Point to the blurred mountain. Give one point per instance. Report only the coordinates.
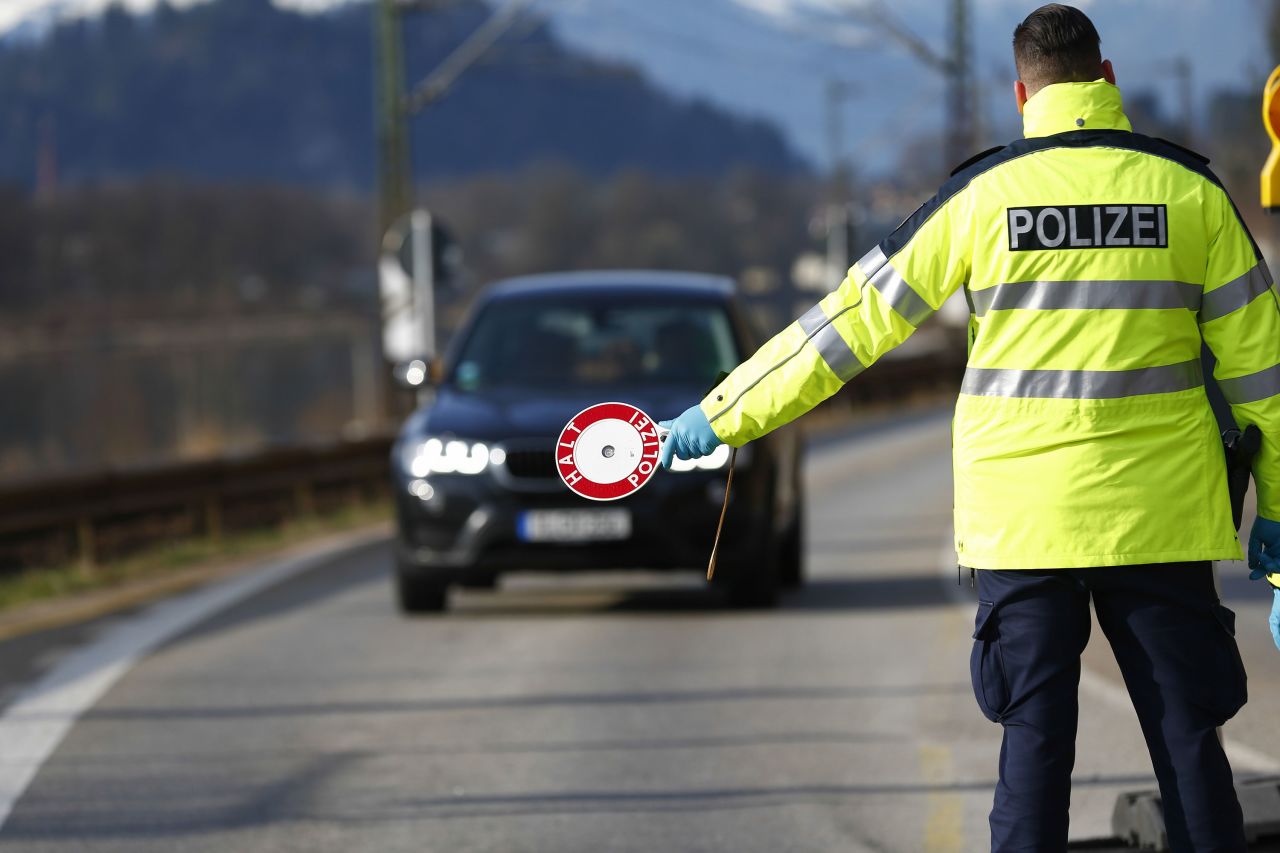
(243, 90)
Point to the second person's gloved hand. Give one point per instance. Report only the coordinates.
(1264, 547)
(1274, 620)
(691, 437)
(1264, 559)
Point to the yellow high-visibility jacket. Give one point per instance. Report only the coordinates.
(1095, 261)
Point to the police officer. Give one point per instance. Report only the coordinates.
(1088, 464)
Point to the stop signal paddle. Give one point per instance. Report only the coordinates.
(610, 451)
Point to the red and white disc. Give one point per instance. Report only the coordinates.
(608, 451)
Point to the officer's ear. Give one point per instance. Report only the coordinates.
(1108, 72)
(1020, 94)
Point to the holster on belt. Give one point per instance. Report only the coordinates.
(1240, 448)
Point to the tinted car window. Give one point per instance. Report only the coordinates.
(563, 344)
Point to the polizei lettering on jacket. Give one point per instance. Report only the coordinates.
(1088, 226)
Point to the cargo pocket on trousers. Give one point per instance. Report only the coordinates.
(1225, 677)
(986, 664)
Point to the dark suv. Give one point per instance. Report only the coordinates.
(477, 493)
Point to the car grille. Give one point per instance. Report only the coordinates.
(529, 463)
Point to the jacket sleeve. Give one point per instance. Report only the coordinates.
(1240, 321)
(884, 298)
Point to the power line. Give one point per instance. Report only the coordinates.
(955, 65)
(475, 46)
(692, 45)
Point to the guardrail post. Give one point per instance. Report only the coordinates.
(304, 500)
(213, 519)
(86, 542)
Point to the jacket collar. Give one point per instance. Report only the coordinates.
(1064, 107)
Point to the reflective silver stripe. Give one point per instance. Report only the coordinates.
(1235, 294)
(1078, 295)
(833, 349)
(1082, 384)
(894, 288)
(1252, 388)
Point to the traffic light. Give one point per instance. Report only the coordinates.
(419, 256)
(446, 256)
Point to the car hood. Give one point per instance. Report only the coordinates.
(497, 416)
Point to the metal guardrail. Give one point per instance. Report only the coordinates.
(97, 518)
(891, 380)
(101, 517)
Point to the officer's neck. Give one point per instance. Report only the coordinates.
(1064, 107)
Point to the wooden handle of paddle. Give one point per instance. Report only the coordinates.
(715, 547)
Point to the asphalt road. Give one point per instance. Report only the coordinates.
(588, 713)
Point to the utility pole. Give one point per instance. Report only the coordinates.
(840, 182)
(47, 159)
(838, 92)
(955, 65)
(960, 101)
(395, 172)
(1182, 71)
(424, 278)
(395, 106)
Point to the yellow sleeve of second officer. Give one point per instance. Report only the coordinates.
(885, 297)
(1240, 320)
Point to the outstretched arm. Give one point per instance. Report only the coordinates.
(885, 297)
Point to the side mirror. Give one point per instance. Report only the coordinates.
(415, 374)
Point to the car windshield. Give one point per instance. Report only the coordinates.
(601, 341)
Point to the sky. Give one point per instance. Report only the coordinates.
(15, 12)
(782, 52)
(773, 58)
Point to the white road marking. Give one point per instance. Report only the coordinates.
(1242, 757)
(40, 717)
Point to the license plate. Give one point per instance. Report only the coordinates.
(574, 525)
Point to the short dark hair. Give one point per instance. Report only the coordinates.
(1057, 44)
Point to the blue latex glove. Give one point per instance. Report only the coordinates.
(1264, 547)
(1264, 559)
(691, 437)
(1274, 619)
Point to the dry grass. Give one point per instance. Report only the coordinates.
(34, 585)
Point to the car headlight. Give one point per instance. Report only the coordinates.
(713, 461)
(448, 456)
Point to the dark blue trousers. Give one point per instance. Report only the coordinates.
(1176, 647)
